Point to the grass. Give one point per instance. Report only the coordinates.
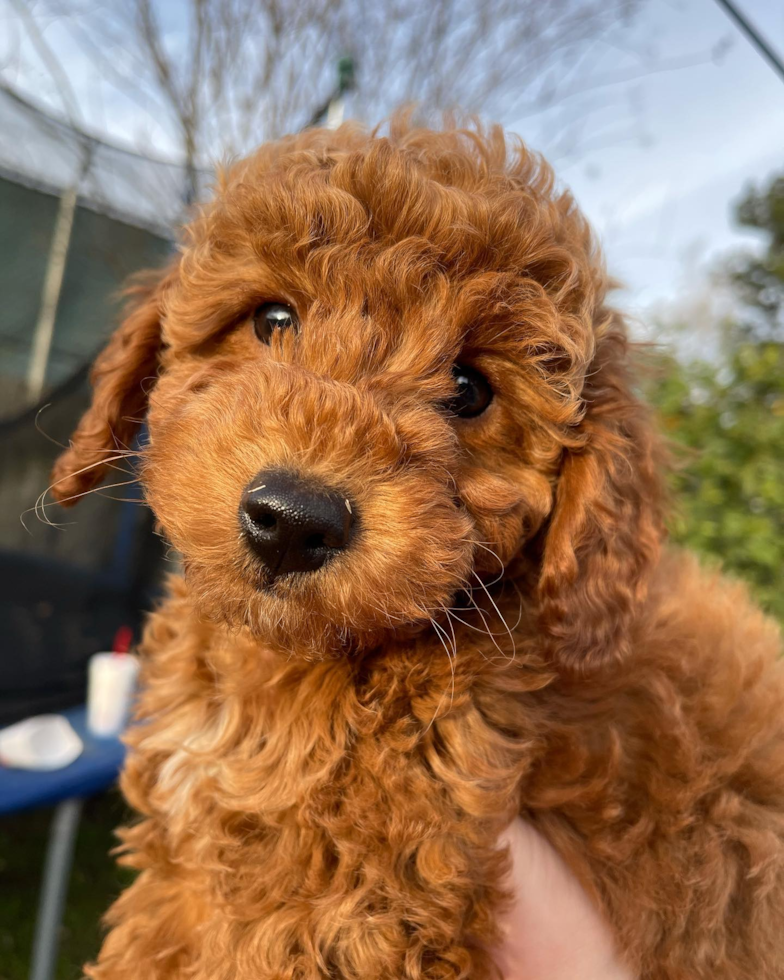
(95, 882)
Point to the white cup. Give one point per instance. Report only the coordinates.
(111, 684)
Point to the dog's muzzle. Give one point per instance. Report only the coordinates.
(293, 525)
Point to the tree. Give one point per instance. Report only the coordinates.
(220, 76)
(727, 417)
(759, 279)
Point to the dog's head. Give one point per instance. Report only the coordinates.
(380, 366)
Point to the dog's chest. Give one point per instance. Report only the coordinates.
(326, 818)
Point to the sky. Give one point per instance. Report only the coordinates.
(662, 203)
(662, 153)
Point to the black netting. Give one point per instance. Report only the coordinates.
(64, 591)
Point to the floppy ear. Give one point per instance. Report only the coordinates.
(121, 377)
(605, 531)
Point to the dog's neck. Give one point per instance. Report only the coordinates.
(215, 694)
(422, 676)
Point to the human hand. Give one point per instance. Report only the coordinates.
(552, 931)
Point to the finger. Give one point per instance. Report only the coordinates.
(552, 931)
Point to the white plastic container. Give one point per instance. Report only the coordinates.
(44, 742)
(111, 685)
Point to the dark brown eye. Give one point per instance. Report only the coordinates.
(271, 317)
(473, 392)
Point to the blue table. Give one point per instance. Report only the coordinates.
(95, 769)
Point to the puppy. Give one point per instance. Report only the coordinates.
(394, 436)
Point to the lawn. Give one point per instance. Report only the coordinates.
(95, 881)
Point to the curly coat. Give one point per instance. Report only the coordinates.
(326, 762)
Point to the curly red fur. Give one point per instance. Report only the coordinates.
(327, 760)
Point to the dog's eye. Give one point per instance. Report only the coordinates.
(271, 317)
(473, 394)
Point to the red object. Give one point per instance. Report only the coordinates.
(122, 640)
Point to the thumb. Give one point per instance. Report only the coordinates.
(551, 931)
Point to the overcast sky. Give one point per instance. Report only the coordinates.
(660, 156)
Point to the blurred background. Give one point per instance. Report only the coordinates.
(665, 117)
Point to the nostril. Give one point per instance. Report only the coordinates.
(260, 513)
(324, 539)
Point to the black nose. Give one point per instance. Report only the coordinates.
(294, 526)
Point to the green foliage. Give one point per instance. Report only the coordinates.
(727, 416)
(759, 279)
(729, 485)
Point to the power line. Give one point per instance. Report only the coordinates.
(754, 36)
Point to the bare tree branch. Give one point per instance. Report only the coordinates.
(226, 74)
(51, 61)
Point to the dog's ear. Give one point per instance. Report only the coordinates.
(605, 531)
(121, 377)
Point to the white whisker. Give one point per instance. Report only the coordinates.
(500, 615)
(501, 564)
(440, 632)
(39, 508)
